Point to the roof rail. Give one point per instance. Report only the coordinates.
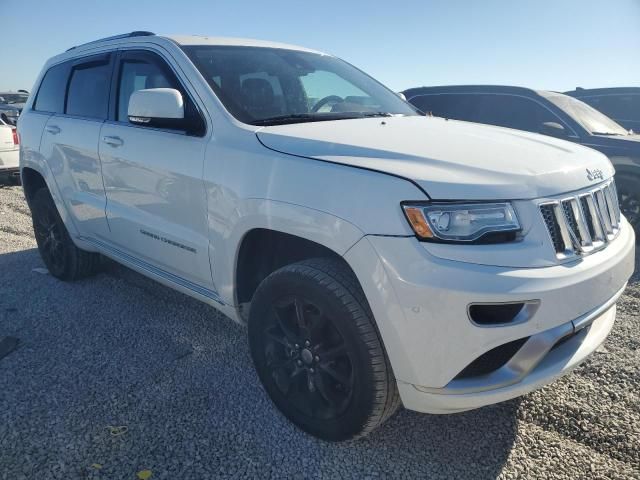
(137, 33)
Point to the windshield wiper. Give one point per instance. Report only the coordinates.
(307, 117)
(377, 114)
(610, 134)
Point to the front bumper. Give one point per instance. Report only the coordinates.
(536, 364)
(420, 304)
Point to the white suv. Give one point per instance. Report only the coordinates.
(378, 256)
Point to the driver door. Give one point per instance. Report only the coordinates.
(156, 202)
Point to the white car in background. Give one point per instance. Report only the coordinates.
(378, 256)
(9, 152)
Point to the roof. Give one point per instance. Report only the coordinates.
(196, 40)
(467, 88)
(585, 92)
(232, 41)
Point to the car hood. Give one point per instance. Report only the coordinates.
(448, 159)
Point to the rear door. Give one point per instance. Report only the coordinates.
(70, 142)
(156, 201)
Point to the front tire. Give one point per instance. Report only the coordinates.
(62, 257)
(628, 187)
(318, 353)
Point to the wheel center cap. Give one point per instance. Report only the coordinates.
(307, 356)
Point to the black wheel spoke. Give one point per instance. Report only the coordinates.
(281, 364)
(337, 376)
(279, 339)
(302, 322)
(324, 392)
(311, 385)
(282, 324)
(333, 353)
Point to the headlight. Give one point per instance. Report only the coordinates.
(456, 222)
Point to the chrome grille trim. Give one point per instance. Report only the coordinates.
(584, 223)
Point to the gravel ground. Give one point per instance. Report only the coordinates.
(176, 379)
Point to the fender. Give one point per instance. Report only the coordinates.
(330, 231)
(34, 161)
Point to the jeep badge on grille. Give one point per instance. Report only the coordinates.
(595, 174)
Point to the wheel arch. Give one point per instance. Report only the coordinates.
(262, 251)
(32, 181)
(34, 176)
(279, 235)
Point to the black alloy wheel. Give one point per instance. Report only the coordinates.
(61, 256)
(308, 358)
(317, 350)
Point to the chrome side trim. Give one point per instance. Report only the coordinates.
(527, 358)
(136, 263)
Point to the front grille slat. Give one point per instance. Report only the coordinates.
(584, 223)
(603, 212)
(581, 223)
(613, 217)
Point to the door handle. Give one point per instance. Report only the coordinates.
(113, 141)
(53, 129)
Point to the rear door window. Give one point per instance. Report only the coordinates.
(513, 111)
(50, 96)
(88, 94)
(622, 107)
(448, 105)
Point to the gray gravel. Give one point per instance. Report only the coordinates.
(120, 350)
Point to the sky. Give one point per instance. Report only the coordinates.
(545, 44)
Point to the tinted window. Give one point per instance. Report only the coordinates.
(622, 107)
(514, 112)
(138, 75)
(50, 97)
(457, 107)
(268, 86)
(89, 91)
(502, 110)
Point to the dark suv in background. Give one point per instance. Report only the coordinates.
(548, 113)
(620, 104)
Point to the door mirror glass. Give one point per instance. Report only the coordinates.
(553, 129)
(157, 107)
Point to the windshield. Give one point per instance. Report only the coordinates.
(13, 98)
(590, 118)
(272, 86)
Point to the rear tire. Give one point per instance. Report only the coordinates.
(62, 257)
(628, 186)
(318, 353)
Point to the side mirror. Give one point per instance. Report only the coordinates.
(553, 129)
(402, 96)
(157, 107)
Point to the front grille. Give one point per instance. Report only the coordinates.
(583, 223)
